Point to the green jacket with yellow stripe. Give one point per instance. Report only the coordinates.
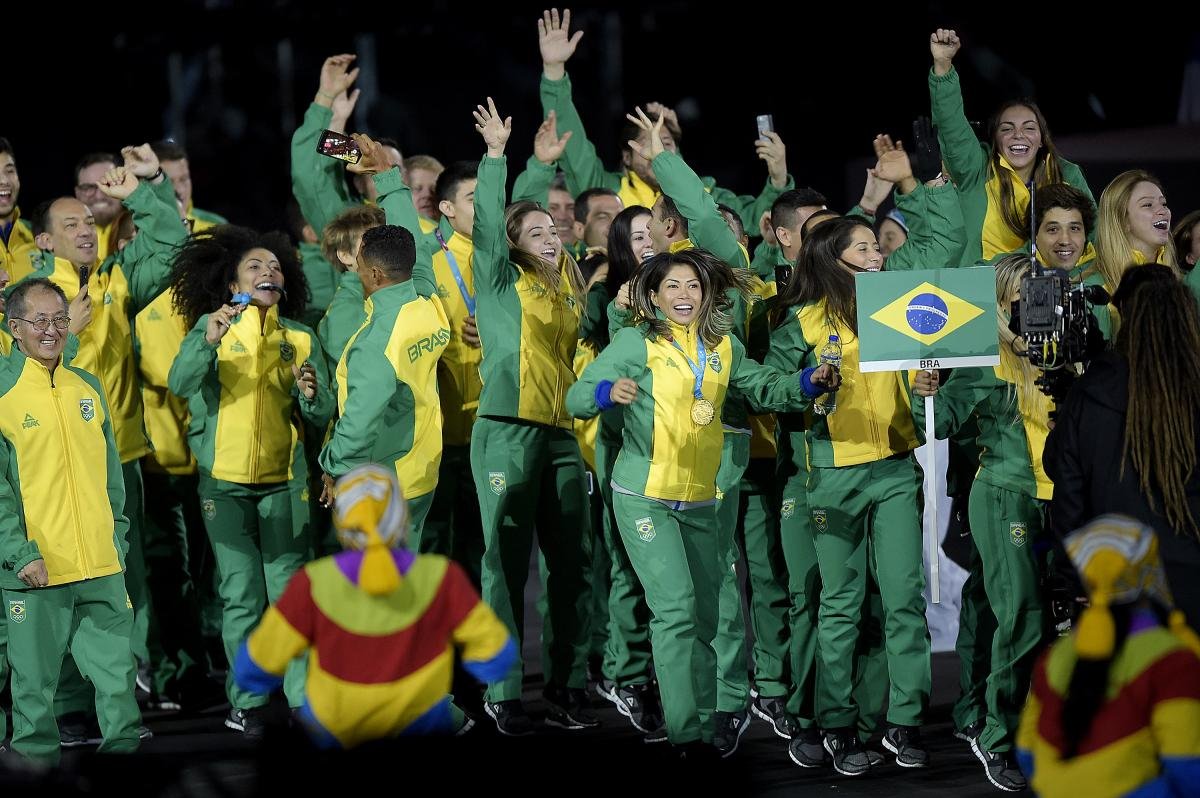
(528, 334)
(343, 317)
(664, 454)
(969, 162)
(1012, 423)
(119, 287)
(873, 419)
(242, 395)
(62, 493)
(584, 170)
(387, 394)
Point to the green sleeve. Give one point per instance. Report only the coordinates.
(492, 272)
(594, 325)
(625, 356)
(961, 151)
(534, 183)
(317, 180)
(196, 358)
(790, 350)
(617, 319)
(116, 482)
(146, 260)
(370, 385)
(396, 200)
(1073, 175)
(319, 409)
(954, 403)
(766, 389)
(765, 258)
(164, 191)
(749, 209)
(580, 162)
(16, 549)
(937, 234)
(859, 212)
(345, 315)
(707, 228)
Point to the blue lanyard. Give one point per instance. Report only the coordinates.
(458, 278)
(697, 369)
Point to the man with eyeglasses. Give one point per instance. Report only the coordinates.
(62, 531)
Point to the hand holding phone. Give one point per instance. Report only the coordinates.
(766, 124)
(85, 273)
(339, 145)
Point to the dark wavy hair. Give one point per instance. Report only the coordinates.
(207, 263)
(819, 274)
(622, 263)
(713, 321)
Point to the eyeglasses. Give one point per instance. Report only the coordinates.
(43, 324)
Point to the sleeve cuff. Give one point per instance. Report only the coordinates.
(604, 395)
(389, 181)
(810, 388)
(949, 77)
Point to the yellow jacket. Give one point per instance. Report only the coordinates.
(458, 370)
(62, 494)
(158, 332)
(17, 257)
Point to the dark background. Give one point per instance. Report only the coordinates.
(232, 80)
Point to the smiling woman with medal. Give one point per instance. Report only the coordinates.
(246, 369)
(672, 371)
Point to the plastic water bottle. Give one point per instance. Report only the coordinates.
(831, 353)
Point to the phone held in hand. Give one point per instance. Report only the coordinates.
(340, 146)
(85, 272)
(765, 125)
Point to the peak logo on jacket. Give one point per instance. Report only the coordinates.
(428, 345)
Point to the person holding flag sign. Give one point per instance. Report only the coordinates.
(1006, 508)
(673, 371)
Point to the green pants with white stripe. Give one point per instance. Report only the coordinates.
(848, 507)
(677, 554)
(733, 675)
(1005, 525)
(531, 476)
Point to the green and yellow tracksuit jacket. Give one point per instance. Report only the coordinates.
(873, 419)
(458, 370)
(969, 162)
(242, 395)
(1012, 426)
(529, 335)
(343, 317)
(119, 287)
(18, 250)
(387, 396)
(62, 495)
(203, 220)
(159, 331)
(664, 454)
(584, 170)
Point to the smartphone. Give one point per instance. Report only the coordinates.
(340, 146)
(85, 272)
(765, 125)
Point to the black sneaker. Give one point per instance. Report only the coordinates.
(247, 721)
(1000, 770)
(849, 758)
(511, 719)
(905, 743)
(639, 703)
(77, 729)
(969, 733)
(144, 733)
(569, 708)
(730, 726)
(806, 749)
(607, 689)
(774, 712)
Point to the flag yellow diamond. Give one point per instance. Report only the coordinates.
(926, 313)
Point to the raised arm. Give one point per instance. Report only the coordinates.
(491, 242)
(316, 179)
(146, 260)
(964, 156)
(534, 183)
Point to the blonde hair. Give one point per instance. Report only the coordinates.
(550, 276)
(348, 225)
(1114, 248)
(1009, 271)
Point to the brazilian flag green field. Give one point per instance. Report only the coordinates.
(941, 318)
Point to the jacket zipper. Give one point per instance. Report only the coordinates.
(258, 392)
(560, 312)
(85, 569)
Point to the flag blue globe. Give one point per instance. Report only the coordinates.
(927, 314)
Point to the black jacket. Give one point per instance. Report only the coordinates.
(1083, 457)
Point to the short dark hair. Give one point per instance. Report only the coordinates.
(15, 305)
(388, 141)
(1183, 238)
(671, 211)
(169, 150)
(6, 147)
(783, 210)
(449, 180)
(93, 158)
(1062, 195)
(559, 183)
(40, 218)
(584, 199)
(295, 217)
(731, 215)
(391, 248)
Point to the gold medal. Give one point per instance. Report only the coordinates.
(703, 412)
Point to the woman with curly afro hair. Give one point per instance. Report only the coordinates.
(245, 369)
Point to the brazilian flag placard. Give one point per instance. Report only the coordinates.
(940, 318)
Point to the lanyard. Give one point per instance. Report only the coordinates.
(697, 369)
(458, 278)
